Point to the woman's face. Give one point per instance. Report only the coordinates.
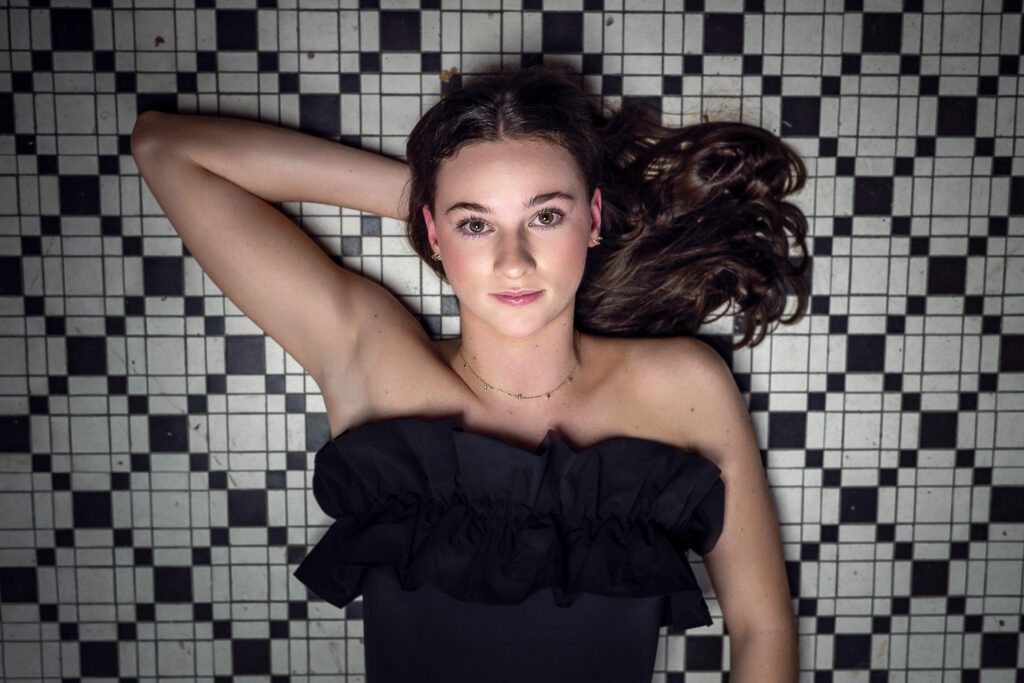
(496, 231)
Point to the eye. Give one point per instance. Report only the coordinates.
(471, 232)
(554, 213)
(556, 216)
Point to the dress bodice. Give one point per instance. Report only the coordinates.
(447, 531)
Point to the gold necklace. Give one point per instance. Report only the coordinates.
(547, 394)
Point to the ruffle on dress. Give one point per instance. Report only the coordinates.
(487, 522)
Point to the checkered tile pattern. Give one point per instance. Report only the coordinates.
(155, 446)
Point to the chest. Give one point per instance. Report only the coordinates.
(610, 399)
(608, 403)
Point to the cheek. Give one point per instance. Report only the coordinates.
(462, 265)
(573, 252)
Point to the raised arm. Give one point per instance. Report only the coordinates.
(278, 164)
(213, 178)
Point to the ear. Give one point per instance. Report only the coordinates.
(431, 229)
(595, 214)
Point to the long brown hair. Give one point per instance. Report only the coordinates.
(692, 217)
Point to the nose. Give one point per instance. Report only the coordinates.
(514, 258)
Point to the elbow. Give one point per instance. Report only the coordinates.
(142, 133)
(765, 655)
(779, 631)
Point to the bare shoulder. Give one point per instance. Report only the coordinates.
(688, 390)
(674, 354)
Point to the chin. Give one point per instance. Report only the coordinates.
(519, 331)
(522, 326)
(515, 321)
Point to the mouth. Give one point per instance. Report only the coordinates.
(518, 297)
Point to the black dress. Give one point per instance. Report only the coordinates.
(478, 560)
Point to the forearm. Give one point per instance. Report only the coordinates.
(764, 657)
(279, 164)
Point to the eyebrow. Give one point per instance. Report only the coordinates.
(539, 199)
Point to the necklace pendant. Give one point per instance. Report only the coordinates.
(519, 395)
(465, 365)
(486, 387)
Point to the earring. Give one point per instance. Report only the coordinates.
(597, 240)
(436, 256)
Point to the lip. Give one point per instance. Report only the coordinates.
(519, 299)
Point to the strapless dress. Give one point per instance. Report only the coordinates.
(479, 560)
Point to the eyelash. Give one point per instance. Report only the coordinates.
(472, 219)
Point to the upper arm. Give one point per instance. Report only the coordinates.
(262, 261)
(746, 565)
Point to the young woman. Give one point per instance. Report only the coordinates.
(517, 504)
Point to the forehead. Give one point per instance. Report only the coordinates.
(505, 164)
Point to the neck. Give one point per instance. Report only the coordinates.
(530, 365)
